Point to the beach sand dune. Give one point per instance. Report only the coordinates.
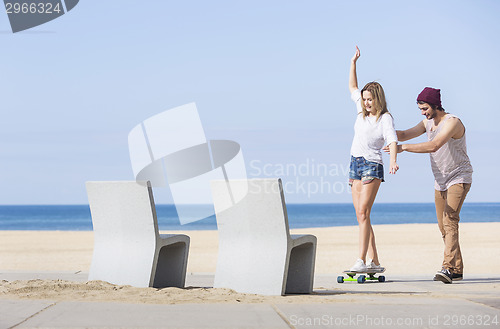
(99, 291)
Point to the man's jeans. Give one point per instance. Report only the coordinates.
(448, 206)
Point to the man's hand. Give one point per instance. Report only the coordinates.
(399, 148)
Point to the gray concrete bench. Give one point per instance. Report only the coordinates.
(128, 249)
(257, 254)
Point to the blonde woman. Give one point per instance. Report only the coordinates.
(374, 127)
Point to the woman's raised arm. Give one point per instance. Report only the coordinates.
(353, 78)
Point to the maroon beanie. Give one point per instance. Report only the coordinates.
(431, 96)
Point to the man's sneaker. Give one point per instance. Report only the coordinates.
(436, 276)
(444, 276)
(457, 277)
(359, 266)
(370, 265)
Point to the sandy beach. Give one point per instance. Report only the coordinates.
(403, 249)
(409, 249)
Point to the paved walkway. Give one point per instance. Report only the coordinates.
(401, 302)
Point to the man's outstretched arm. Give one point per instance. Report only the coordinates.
(404, 135)
(450, 128)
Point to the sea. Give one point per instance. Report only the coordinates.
(78, 217)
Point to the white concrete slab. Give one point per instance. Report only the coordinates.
(13, 312)
(430, 304)
(117, 315)
(391, 312)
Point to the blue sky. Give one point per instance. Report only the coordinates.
(271, 75)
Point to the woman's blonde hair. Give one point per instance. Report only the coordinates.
(378, 97)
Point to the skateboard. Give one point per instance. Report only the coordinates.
(370, 275)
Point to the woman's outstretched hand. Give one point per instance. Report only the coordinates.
(356, 55)
(393, 168)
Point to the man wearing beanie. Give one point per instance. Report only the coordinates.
(452, 172)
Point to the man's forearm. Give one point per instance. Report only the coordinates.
(402, 135)
(427, 147)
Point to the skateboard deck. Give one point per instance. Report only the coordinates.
(370, 275)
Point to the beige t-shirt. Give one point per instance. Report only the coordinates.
(450, 164)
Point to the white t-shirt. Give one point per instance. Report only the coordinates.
(370, 134)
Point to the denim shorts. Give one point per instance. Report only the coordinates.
(365, 171)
